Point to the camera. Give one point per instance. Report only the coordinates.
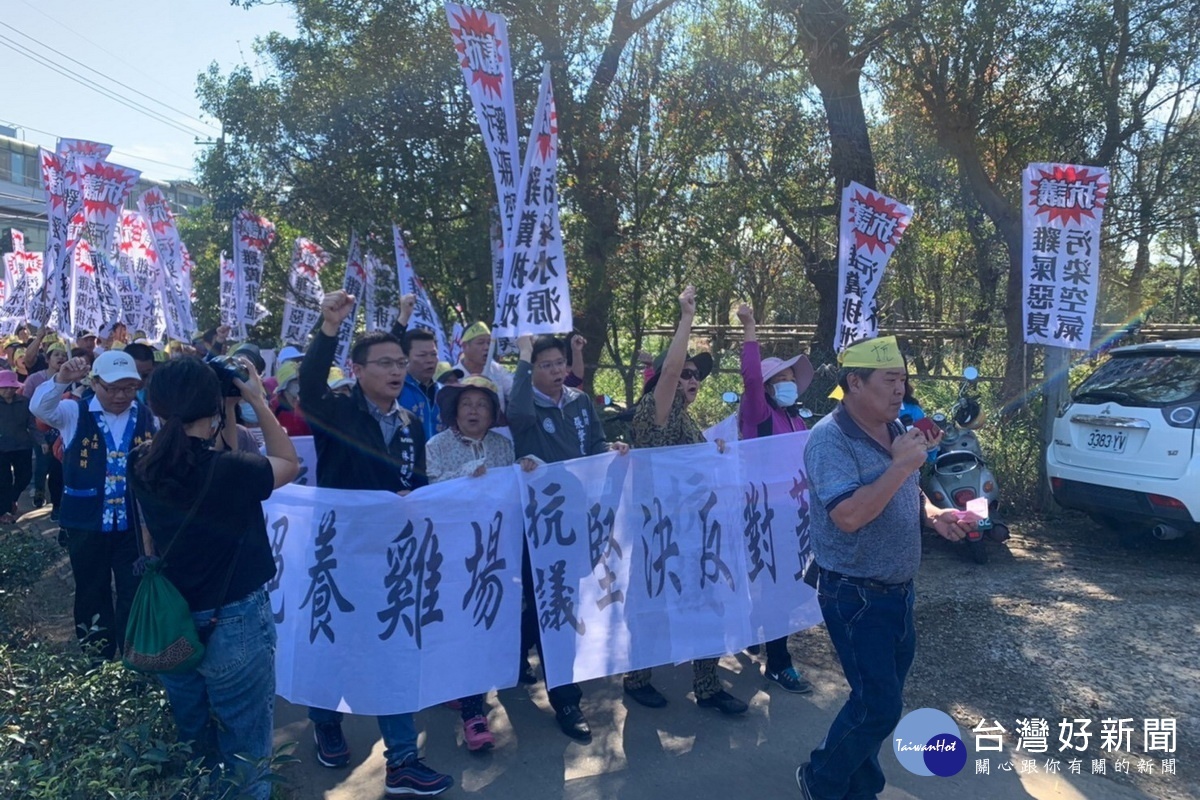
(228, 370)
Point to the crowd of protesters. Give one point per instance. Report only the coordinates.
(137, 446)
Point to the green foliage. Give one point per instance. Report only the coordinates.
(24, 557)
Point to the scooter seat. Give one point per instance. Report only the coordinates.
(955, 463)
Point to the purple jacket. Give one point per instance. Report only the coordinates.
(755, 408)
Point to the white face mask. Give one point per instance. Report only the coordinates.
(786, 394)
(249, 415)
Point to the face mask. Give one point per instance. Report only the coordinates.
(249, 415)
(786, 394)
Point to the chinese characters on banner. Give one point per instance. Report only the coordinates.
(424, 315)
(536, 298)
(383, 295)
(252, 236)
(86, 311)
(46, 304)
(407, 584)
(302, 309)
(1064, 206)
(481, 41)
(23, 281)
(139, 261)
(175, 299)
(228, 298)
(104, 188)
(71, 155)
(869, 228)
(641, 560)
(354, 283)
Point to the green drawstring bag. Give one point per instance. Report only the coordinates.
(161, 636)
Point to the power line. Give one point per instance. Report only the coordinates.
(116, 150)
(76, 77)
(60, 24)
(105, 76)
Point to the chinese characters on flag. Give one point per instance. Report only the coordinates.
(1063, 209)
(302, 309)
(252, 236)
(175, 300)
(870, 227)
(23, 280)
(424, 315)
(354, 284)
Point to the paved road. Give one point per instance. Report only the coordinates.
(638, 753)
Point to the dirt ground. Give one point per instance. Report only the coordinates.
(1061, 623)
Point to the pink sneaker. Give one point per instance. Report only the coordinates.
(477, 735)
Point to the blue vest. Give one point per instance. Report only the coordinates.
(85, 460)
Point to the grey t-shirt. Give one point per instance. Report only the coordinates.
(840, 457)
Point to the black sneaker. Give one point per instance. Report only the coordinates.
(791, 679)
(415, 778)
(647, 695)
(54, 514)
(573, 723)
(724, 702)
(332, 750)
(39, 499)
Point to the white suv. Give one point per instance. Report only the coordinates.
(1124, 449)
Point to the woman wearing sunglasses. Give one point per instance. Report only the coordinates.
(662, 419)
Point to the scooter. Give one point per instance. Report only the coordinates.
(959, 474)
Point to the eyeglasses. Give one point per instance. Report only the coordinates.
(118, 391)
(550, 365)
(389, 364)
(481, 405)
(688, 374)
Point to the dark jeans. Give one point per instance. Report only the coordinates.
(568, 694)
(54, 480)
(98, 560)
(41, 466)
(873, 634)
(16, 468)
(778, 657)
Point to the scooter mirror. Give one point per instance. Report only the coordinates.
(605, 400)
(805, 413)
(971, 374)
(730, 397)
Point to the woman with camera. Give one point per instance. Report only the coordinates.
(203, 510)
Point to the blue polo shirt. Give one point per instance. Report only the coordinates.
(841, 457)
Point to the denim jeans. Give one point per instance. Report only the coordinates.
(872, 631)
(230, 697)
(399, 732)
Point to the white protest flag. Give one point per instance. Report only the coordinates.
(1062, 214)
(252, 236)
(408, 584)
(302, 308)
(383, 294)
(71, 154)
(354, 283)
(481, 41)
(87, 313)
(138, 262)
(424, 315)
(45, 305)
(23, 277)
(228, 295)
(536, 296)
(455, 343)
(176, 302)
(105, 188)
(870, 227)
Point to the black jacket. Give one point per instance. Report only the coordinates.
(351, 453)
(17, 427)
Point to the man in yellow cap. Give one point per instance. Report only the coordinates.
(866, 515)
(476, 341)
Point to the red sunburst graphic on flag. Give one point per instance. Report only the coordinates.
(1067, 193)
(878, 222)
(471, 40)
(545, 138)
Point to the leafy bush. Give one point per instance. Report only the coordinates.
(24, 557)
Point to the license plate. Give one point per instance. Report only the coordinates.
(1102, 441)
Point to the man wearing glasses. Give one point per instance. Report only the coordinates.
(97, 511)
(366, 440)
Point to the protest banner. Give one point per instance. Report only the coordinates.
(227, 296)
(870, 227)
(252, 237)
(353, 283)
(383, 294)
(424, 315)
(175, 298)
(302, 307)
(1062, 212)
(536, 297)
(660, 556)
(46, 305)
(139, 260)
(23, 282)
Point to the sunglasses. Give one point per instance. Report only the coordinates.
(688, 374)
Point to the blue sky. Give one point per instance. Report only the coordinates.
(156, 49)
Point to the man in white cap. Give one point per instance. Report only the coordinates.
(97, 513)
(476, 342)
